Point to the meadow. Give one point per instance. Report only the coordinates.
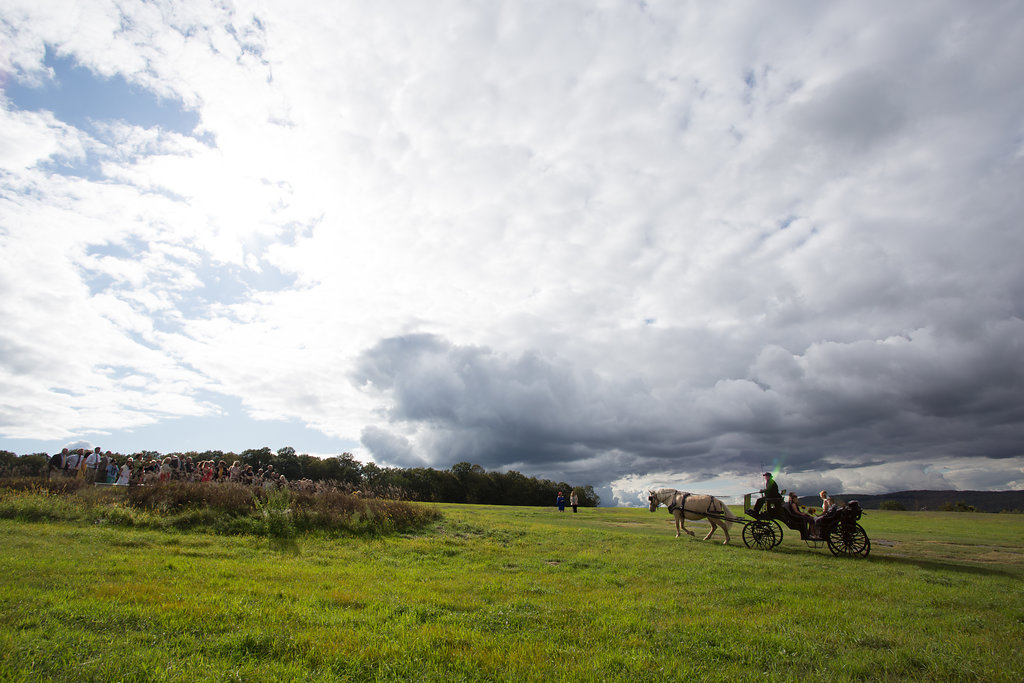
(491, 593)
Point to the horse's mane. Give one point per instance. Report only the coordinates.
(664, 491)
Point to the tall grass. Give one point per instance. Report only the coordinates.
(223, 508)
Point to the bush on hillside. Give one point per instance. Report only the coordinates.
(56, 484)
(223, 508)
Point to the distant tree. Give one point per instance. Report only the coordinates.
(511, 488)
(13, 465)
(587, 496)
(475, 485)
(373, 476)
(287, 463)
(259, 458)
(891, 505)
(958, 506)
(350, 470)
(209, 455)
(7, 461)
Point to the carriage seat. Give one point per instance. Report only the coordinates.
(763, 508)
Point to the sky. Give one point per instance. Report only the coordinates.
(619, 243)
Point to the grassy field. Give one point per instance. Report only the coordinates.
(514, 594)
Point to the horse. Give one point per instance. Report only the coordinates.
(684, 505)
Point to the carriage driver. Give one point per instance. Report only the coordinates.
(770, 491)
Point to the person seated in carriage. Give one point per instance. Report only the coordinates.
(829, 509)
(809, 522)
(769, 492)
(827, 504)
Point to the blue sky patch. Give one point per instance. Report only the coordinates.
(78, 96)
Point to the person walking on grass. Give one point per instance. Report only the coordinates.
(560, 502)
(574, 500)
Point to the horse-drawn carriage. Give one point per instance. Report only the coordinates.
(839, 528)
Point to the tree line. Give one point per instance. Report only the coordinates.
(464, 482)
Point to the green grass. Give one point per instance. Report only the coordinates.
(513, 594)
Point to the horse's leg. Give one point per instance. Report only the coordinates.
(725, 528)
(681, 523)
(714, 527)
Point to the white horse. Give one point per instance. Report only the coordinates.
(684, 505)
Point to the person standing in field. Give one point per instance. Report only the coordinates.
(102, 468)
(57, 463)
(560, 502)
(574, 500)
(112, 469)
(92, 465)
(71, 464)
(125, 475)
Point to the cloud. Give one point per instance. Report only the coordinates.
(629, 244)
(28, 138)
(836, 407)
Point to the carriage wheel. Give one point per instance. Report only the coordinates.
(778, 535)
(761, 535)
(849, 539)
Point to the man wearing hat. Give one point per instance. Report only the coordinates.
(770, 490)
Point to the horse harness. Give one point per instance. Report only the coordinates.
(682, 505)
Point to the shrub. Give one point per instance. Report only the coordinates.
(228, 498)
(56, 484)
(277, 514)
(222, 508)
(331, 509)
(891, 505)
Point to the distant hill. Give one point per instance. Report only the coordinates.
(982, 501)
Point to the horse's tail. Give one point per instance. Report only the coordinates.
(726, 513)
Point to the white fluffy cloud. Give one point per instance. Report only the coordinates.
(628, 243)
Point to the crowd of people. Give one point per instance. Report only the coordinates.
(97, 467)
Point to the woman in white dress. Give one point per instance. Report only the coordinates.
(126, 473)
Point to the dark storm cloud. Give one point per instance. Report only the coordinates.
(837, 406)
(500, 411)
